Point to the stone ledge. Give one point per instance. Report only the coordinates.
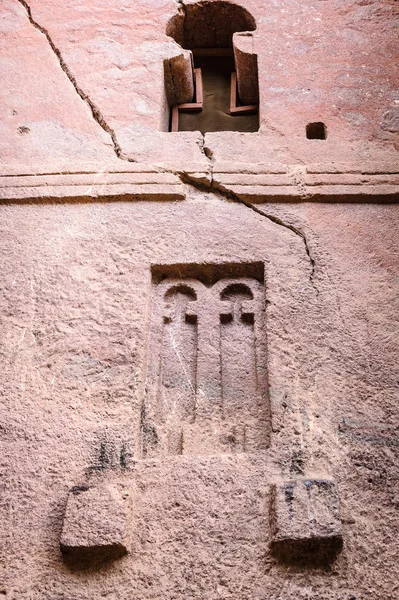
(309, 179)
(96, 524)
(297, 184)
(131, 182)
(88, 179)
(85, 185)
(305, 520)
(321, 193)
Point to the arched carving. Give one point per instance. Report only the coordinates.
(207, 389)
(209, 24)
(177, 299)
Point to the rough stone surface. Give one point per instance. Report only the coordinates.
(390, 120)
(112, 55)
(75, 316)
(96, 524)
(43, 118)
(305, 520)
(100, 205)
(246, 64)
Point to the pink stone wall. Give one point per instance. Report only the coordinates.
(330, 61)
(99, 206)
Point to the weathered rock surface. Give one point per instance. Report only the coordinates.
(343, 75)
(96, 524)
(100, 206)
(305, 521)
(75, 317)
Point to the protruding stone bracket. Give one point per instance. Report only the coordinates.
(305, 521)
(96, 524)
(234, 109)
(246, 63)
(179, 78)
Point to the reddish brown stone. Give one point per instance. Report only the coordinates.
(305, 521)
(101, 207)
(390, 120)
(96, 524)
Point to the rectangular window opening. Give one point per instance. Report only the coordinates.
(216, 113)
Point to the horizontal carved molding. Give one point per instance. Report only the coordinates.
(255, 183)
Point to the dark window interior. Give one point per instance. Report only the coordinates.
(215, 114)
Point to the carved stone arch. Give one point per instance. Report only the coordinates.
(170, 288)
(189, 286)
(177, 297)
(242, 285)
(236, 288)
(209, 24)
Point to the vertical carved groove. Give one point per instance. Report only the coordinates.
(239, 365)
(179, 357)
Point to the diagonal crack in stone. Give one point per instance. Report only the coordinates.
(219, 190)
(278, 221)
(95, 111)
(213, 187)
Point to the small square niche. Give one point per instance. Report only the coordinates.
(316, 131)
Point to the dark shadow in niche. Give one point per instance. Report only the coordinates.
(304, 556)
(208, 273)
(316, 131)
(93, 559)
(209, 24)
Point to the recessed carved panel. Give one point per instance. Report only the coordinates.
(206, 378)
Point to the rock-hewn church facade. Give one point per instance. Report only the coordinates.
(199, 299)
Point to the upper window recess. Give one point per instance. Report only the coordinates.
(213, 84)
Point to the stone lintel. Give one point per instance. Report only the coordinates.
(254, 184)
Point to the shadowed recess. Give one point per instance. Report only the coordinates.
(215, 114)
(209, 24)
(316, 131)
(208, 273)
